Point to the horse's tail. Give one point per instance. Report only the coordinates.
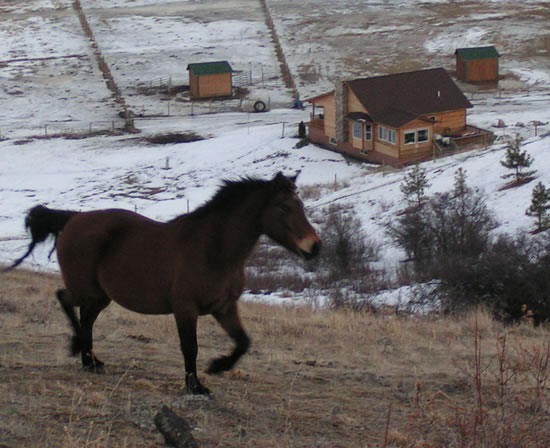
(43, 222)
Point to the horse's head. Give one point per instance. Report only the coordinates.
(285, 222)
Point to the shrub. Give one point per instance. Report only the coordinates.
(346, 250)
(512, 277)
(445, 229)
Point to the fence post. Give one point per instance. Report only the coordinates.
(46, 130)
(283, 134)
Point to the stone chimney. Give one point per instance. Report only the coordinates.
(340, 102)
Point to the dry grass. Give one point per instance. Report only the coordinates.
(312, 379)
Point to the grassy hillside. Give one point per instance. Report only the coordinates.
(312, 379)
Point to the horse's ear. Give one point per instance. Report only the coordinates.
(281, 177)
(281, 182)
(293, 178)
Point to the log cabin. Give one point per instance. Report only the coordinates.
(391, 119)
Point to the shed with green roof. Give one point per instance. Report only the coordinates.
(477, 64)
(210, 79)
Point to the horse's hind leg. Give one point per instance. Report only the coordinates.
(230, 322)
(62, 296)
(88, 315)
(82, 341)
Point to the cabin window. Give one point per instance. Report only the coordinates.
(410, 137)
(357, 129)
(385, 134)
(368, 132)
(422, 135)
(319, 111)
(418, 136)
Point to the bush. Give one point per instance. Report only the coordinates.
(512, 277)
(448, 228)
(448, 238)
(346, 250)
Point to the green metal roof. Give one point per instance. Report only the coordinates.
(210, 68)
(469, 54)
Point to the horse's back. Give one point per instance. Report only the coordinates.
(117, 253)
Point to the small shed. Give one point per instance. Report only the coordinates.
(210, 79)
(477, 64)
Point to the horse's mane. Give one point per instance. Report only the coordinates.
(229, 195)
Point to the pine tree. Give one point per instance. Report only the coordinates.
(540, 205)
(460, 187)
(517, 160)
(414, 186)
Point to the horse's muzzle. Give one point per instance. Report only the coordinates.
(312, 251)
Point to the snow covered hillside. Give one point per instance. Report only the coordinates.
(50, 79)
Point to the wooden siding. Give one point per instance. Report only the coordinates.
(484, 70)
(413, 151)
(329, 117)
(385, 148)
(353, 103)
(360, 144)
(447, 123)
(477, 70)
(208, 86)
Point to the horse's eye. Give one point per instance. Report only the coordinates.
(285, 208)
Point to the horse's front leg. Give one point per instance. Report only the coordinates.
(231, 323)
(187, 330)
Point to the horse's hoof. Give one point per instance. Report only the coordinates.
(198, 390)
(193, 385)
(95, 368)
(219, 365)
(92, 364)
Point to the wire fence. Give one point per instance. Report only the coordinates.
(69, 129)
(163, 83)
(192, 108)
(503, 92)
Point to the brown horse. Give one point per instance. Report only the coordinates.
(190, 266)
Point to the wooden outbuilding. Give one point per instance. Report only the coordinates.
(393, 119)
(210, 79)
(477, 64)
